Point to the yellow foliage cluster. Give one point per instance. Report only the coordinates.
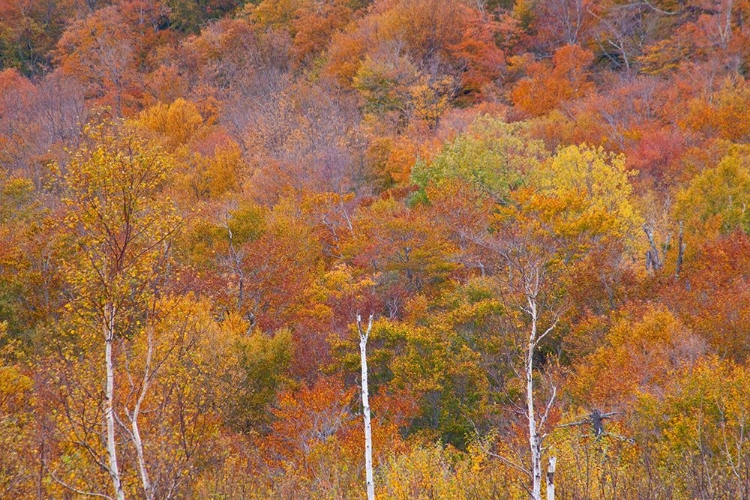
(177, 122)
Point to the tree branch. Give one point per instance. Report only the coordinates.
(76, 490)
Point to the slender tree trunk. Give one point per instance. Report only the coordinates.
(535, 442)
(680, 254)
(148, 491)
(551, 478)
(109, 337)
(137, 441)
(363, 335)
(236, 264)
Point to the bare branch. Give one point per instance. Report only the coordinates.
(364, 334)
(657, 9)
(548, 408)
(510, 463)
(549, 330)
(76, 490)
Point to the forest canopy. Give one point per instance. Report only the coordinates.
(541, 205)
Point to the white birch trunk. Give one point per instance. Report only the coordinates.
(551, 478)
(363, 335)
(135, 430)
(534, 441)
(535, 444)
(109, 337)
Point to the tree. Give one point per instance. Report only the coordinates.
(17, 407)
(314, 440)
(431, 37)
(122, 229)
(639, 354)
(599, 178)
(715, 201)
(560, 22)
(403, 250)
(492, 156)
(712, 296)
(696, 430)
(574, 205)
(100, 51)
(256, 371)
(177, 123)
(29, 31)
(546, 87)
(722, 113)
(363, 335)
(531, 285)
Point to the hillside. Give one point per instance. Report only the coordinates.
(542, 206)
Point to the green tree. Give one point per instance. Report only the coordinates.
(492, 156)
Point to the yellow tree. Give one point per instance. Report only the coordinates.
(715, 202)
(120, 229)
(573, 210)
(17, 406)
(574, 206)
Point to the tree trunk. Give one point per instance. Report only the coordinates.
(135, 430)
(551, 478)
(109, 337)
(680, 254)
(535, 443)
(366, 407)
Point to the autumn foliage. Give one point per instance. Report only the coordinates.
(545, 205)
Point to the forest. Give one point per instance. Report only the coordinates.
(531, 216)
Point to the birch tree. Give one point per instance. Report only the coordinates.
(529, 283)
(121, 227)
(364, 334)
(579, 205)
